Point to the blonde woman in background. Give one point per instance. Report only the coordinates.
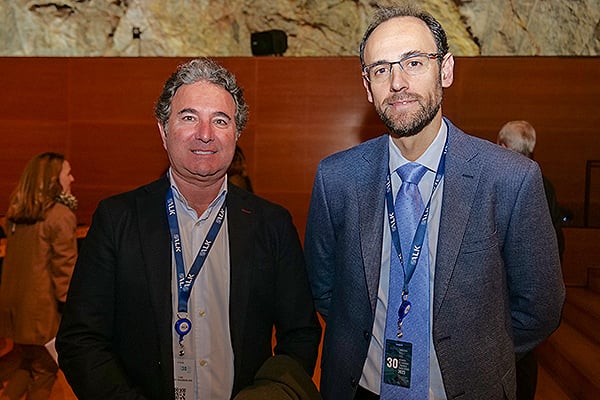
(41, 251)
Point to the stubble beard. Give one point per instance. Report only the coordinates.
(410, 124)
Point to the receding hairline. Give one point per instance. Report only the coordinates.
(411, 18)
(385, 14)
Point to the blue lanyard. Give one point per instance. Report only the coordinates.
(419, 238)
(185, 283)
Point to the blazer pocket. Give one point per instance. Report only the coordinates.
(480, 244)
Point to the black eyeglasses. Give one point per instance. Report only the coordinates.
(412, 64)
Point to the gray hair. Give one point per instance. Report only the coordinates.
(384, 14)
(197, 70)
(518, 136)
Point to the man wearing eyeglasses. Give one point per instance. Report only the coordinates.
(439, 310)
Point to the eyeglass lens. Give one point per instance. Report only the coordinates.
(413, 65)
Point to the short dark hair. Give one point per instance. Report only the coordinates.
(201, 69)
(384, 14)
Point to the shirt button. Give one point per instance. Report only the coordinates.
(203, 363)
(202, 314)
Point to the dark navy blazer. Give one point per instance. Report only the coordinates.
(115, 339)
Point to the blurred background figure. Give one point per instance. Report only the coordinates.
(237, 172)
(520, 136)
(41, 250)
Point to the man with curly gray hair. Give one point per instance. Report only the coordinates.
(180, 283)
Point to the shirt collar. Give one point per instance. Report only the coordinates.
(179, 197)
(430, 158)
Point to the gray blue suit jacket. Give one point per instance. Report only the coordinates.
(116, 335)
(498, 285)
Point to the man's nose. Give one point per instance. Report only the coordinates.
(203, 132)
(398, 78)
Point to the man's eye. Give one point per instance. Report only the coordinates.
(380, 70)
(187, 117)
(221, 121)
(414, 63)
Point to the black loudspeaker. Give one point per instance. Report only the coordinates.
(266, 43)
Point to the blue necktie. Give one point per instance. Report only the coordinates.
(408, 208)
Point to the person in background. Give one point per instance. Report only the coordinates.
(41, 250)
(237, 172)
(520, 136)
(180, 283)
(433, 299)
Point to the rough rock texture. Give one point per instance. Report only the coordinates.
(534, 27)
(187, 28)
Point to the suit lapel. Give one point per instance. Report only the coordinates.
(240, 220)
(370, 187)
(460, 183)
(156, 254)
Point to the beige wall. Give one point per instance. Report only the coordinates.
(189, 28)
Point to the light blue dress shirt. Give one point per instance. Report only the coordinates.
(209, 342)
(371, 375)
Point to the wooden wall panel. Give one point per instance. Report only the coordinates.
(99, 112)
(116, 89)
(117, 154)
(33, 89)
(558, 95)
(109, 158)
(304, 112)
(581, 254)
(19, 142)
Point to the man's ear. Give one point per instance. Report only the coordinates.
(447, 70)
(367, 86)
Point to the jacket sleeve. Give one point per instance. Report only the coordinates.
(298, 331)
(536, 287)
(319, 245)
(61, 225)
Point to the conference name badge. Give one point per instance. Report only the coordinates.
(397, 364)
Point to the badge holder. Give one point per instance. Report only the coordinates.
(182, 327)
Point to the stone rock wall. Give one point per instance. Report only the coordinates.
(188, 28)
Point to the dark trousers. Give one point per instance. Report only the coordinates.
(526, 377)
(364, 394)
